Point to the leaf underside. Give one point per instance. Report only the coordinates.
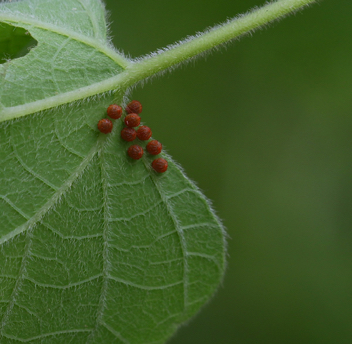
(95, 248)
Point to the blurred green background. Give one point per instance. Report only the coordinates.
(264, 127)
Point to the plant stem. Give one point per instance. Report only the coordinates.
(172, 56)
(212, 38)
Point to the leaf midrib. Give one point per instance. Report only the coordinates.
(104, 287)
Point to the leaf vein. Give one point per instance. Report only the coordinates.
(106, 263)
(30, 171)
(144, 287)
(115, 333)
(70, 237)
(63, 287)
(142, 213)
(15, 207)
(44, 335)
(52, 201)
(180, 234)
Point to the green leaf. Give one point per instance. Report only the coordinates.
(95, 248)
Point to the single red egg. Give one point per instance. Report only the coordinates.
(135, 152)
(132, 120)
(160, 165)
(144, 133)
(128, 134)
(105, 125)
(134, 107)
(154, 147)
(114, 111)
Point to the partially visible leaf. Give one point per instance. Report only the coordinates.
(95, 248)
(71, 53)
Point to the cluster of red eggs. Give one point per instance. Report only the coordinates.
(129, 134)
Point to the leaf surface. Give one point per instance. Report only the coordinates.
(95, 247)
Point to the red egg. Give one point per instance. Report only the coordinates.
(132, 120)
(160, 165)
(134, 107)
(144, 133)
(154, 147)
(135, 152)
(128, 134)
(105, 125)
(114, 111)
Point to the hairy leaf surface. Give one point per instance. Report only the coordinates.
(95, 248)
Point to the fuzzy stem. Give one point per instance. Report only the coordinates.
(212, 38)
(174, 55)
